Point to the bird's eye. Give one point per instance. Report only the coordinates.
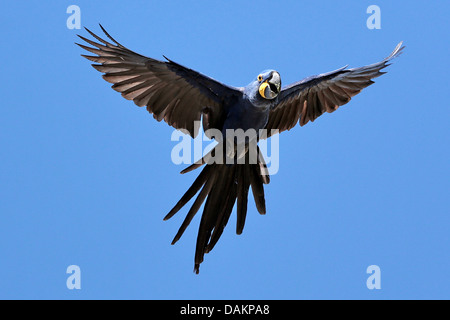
(260, 77)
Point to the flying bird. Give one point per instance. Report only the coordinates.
(181, 96)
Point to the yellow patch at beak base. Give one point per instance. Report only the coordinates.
(262, 88)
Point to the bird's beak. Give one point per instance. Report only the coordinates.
(264, 90)
(270, 88)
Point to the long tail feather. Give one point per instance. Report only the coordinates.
(197, 204)
(221, 186)
(198, 183)
(242, 197)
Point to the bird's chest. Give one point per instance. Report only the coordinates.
(247, 117)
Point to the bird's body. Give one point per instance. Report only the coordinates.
(181, 96)
(244, 115)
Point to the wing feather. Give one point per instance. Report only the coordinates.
(170, 92)
(309, 98)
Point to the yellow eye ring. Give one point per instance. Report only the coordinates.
(260, 77)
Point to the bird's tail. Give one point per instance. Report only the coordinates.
(221, 185)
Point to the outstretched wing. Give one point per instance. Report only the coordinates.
(169, 91)
(309, 98)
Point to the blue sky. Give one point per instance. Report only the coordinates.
(86, 176)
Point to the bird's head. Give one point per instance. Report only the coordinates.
(269, 84)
